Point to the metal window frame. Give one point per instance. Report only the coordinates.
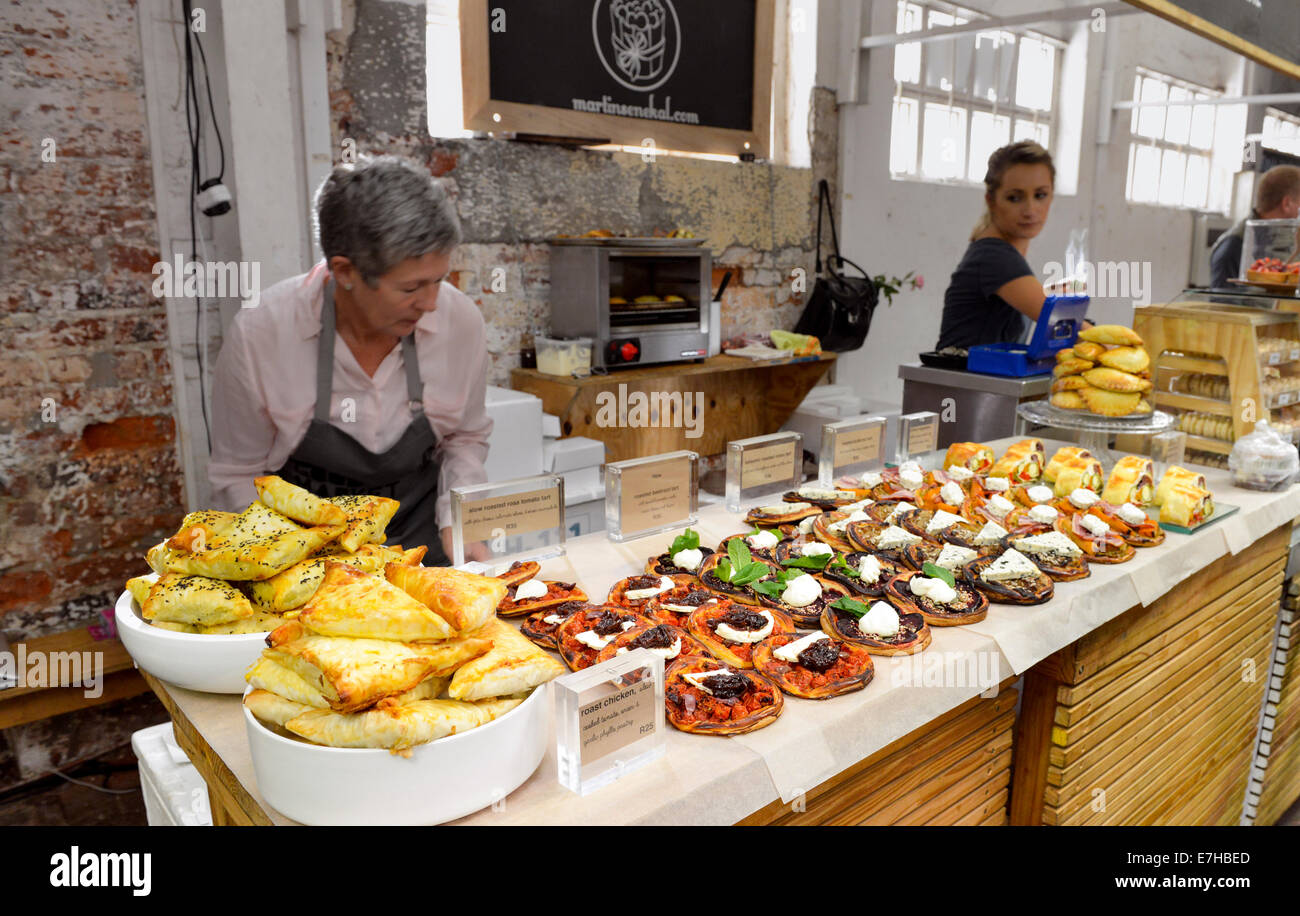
(968, 101)
(1162, 144)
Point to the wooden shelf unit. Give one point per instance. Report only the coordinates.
(1186, 338)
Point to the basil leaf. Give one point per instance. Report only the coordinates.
(749, 573)
(687, 540)
(723, 570)
(844, 569)
(850, 606)
(738, 553)
(769, 588)
(814, 562)
(938, 572)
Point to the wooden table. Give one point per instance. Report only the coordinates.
(1132, 684)
(740, 398)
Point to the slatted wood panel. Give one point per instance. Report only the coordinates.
(953, 770)
(20, 705)
(1152, 717)
(1281, 732)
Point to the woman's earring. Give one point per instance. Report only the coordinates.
(348, 287)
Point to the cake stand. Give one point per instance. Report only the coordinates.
(1095, 431)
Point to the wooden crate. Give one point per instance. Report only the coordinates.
(954, 770)
(1152, 717)
(1280, 737)
(1203, 338)
(20, 705)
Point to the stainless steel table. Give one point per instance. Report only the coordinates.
(971, 407)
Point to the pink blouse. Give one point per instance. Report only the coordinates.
(264, 390)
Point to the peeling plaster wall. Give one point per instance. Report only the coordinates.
(512, 196)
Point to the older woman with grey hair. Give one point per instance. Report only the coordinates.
(367, 374)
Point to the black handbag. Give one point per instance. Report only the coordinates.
(839, 311)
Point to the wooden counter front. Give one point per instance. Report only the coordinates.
(741, 398)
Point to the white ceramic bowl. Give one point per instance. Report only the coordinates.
(211, 664)
(439, 782)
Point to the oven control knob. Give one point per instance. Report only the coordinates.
(628, 351)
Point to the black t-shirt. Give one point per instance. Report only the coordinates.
(973, 312)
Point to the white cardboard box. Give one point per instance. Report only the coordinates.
(175, 795)
(515, 445)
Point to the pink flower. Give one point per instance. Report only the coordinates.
(919, 282)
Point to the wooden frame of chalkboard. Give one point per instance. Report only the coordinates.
(1186, 13)
(723, 127)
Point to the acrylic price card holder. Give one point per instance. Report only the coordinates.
(522, 518)
(851, 447)
(609, 720)
(918, 436)
(761, 466)
(646, 495)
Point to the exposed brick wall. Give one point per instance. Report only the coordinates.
(89, 476)
(758, 218)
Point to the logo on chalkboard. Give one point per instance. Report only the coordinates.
(638, 41)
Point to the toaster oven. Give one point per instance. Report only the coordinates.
(642, 301)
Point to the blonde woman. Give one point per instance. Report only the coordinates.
(993, 290)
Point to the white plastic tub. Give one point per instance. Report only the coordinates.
(439, 782)
(211, 664)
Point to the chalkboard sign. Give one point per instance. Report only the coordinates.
(1267, 31)
(675, 74)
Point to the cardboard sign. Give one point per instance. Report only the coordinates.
(766, 465)
(609, 724)
(923, 438)
(859, 446)
(518, 513)
(655, 495)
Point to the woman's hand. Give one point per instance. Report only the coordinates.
(476, 550)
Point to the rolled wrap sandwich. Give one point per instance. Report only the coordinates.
(1079, 473)
(1131, 481)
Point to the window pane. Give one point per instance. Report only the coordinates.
(964, 49)
(987, 133)
(1037, 69)
(902, 138)
(1229, 136)
(1198, 181)
(1146, 174)
(1202, 135)
(907, 57)
(944, 152)
(1151, 121)
(1178, 118)
(986, 65)
(1172, 175)
(1028, 130)
(1137, 94)
(939, 55)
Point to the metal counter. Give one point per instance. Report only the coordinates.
(972, 407)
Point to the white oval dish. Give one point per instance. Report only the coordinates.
(210, 664)
(441, 781)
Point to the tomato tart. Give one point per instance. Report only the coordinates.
(879, 626)
(663, 639)
(709, 698)
(676, 604)
(541, 625)
(941, 604)
(730, 630)
(814, 666)
(520, 571)
(535, 595)
(666, 563)
(1093, 535)
(762, 544)
(803, 596)
(581, 637)
(1052, 552)
(1011, 578)
(635, 591)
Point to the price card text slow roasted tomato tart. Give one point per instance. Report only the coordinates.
(580, 638)
(709, 698)
(730, 630)
(814, 666)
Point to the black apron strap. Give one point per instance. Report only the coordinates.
(414, 388)
(325, 356)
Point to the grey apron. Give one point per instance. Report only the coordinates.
(329, 462)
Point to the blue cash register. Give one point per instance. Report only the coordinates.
(1057, 328)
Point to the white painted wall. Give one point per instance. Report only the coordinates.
(894, 226)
